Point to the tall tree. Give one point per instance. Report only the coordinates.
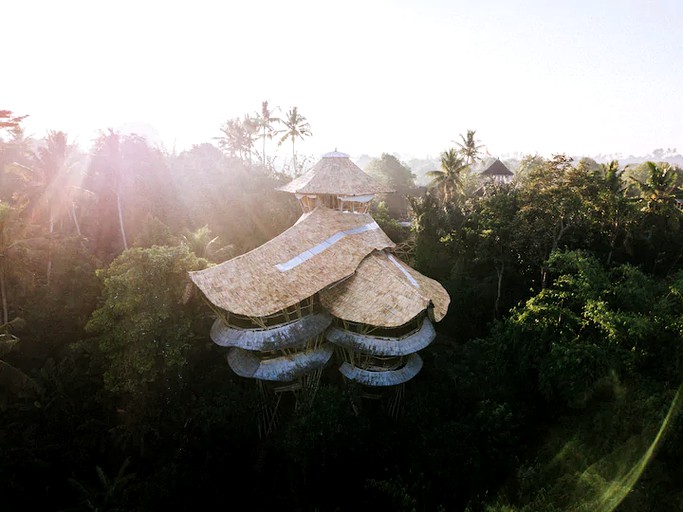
(448, 180)
(614, 207)
(661, 189)
(553, 208)
(108, 164)
(142, 327)
(265, 122)
(661, 218)
(17, 242)
(238, 137)
(9, 121)
(468, 147)
(296, 126)
(15, 148)
(389, 170)
(51, 162)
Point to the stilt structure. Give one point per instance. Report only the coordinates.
(329, 279)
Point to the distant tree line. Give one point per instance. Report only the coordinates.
(246, 137)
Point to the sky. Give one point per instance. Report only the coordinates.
(403, 77)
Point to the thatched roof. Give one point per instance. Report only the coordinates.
(383, 346)
(323, 247)
(277, 337)
(282, 369)
(335, 174)
(497, 168)
(384, 292)
(387, 378)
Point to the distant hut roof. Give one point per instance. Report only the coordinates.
(384, 292)
(497, 168)
(335, 173)
(386, 378)
(281, 336)
(380, 346)
(323, 247)
(283, 369)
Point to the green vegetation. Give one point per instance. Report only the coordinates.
(554, 384)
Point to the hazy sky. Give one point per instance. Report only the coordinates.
(370, 76)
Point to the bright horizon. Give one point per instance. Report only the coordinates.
(370, 76)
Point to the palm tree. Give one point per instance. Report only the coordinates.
(204, 245)
(614, 203)
(265, 122)
(15, 245)
(660, 191)
(50, 184)
(448, 181)
(6, 245)
(295, 126)
(9, 121)
(108, 161)
(51, 164)
(468, 147)
(238, 137)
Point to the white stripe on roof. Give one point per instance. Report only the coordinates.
(405, 272)
(325, 244)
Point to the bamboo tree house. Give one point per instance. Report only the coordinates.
(331, 279)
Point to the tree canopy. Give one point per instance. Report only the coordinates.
(554, 382)
(391, 171)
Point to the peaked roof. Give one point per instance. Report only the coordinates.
(323, 247)
(336, 174)
(497, 168)
(385, 292)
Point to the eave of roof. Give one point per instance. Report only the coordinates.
(385, 292)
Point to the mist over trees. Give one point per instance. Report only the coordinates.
(554, 383)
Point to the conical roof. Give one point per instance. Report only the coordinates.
(497, 168)
(335, 174)
(384, 292)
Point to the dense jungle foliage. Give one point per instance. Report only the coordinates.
(553, 384)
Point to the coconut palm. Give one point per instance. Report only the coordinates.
(204, 245)
(51, 184)
(614, 205)
(265, 123)
(107, 161)
(9, 121)
(468, 147)
(17, 245)
(238, 137)
(448, 181)
(660, 190)
(296, 125)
